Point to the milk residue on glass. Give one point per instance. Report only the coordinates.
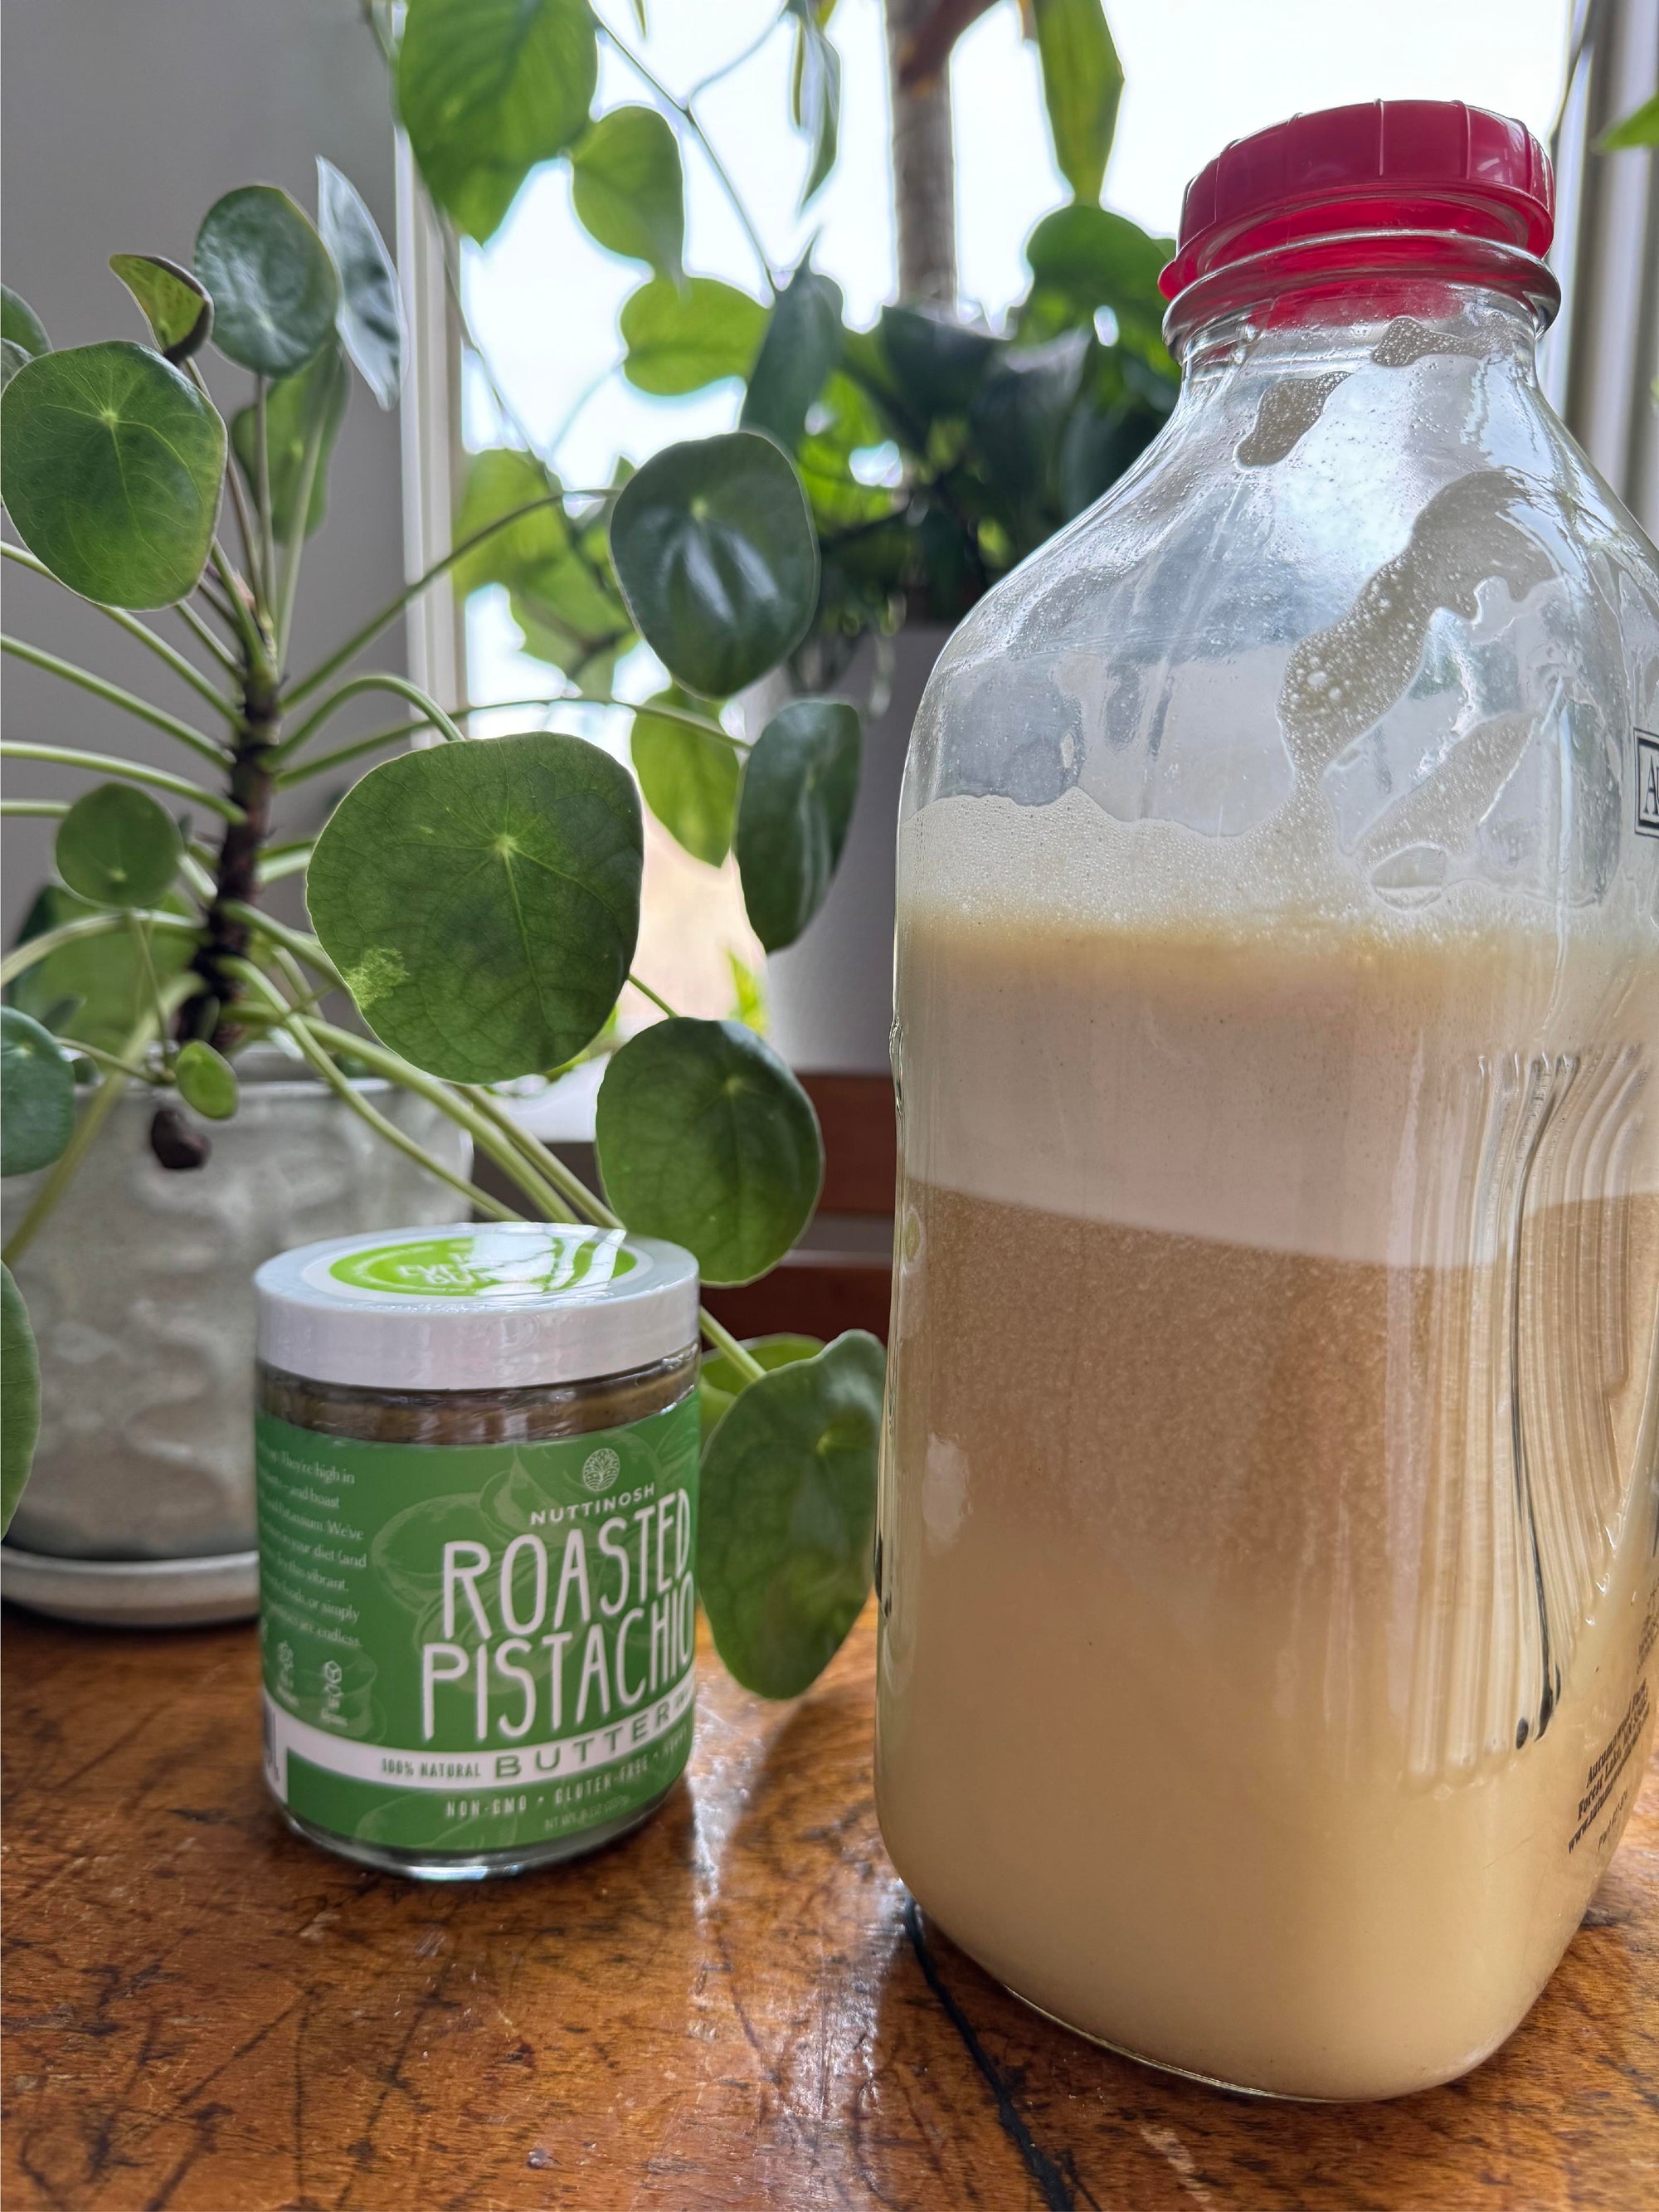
(1267, 1555)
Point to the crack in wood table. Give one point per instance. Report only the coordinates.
(735, 2007)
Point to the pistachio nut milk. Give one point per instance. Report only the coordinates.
(1271, 1483)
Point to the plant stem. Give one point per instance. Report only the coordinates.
(723, 1341)
(262, 492)
(372, 629)
(681, 714)
(241, 621)
(135, 771)
(88, 1125)
(33, 807)
(203, 636)
(275, 865)
(295, 940)
(398, 685)
(129, 701)
(33, 950)
(296, 544)
(186, 670)
(289, 1019)
(96, 1053)
(682, 109)
(251, 547)
(236, 865)
(458, 1102)
(646, 992)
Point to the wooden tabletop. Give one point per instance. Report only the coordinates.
(735, 2007)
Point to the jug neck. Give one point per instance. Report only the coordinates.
(1392, 319)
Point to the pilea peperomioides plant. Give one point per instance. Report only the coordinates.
(479, 900)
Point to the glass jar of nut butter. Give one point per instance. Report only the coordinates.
(478, 1487)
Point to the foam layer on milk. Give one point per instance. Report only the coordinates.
(1232, 1038)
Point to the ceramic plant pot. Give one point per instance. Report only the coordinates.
(140, 1507)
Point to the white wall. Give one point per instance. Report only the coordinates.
(124, 120)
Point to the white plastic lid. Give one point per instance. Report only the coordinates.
(476, 1306)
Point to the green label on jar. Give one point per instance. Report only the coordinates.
(476, 1648)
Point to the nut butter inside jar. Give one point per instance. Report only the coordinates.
(1269, 1621)
(476, 1464)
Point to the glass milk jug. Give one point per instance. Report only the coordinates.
(1267, 1536)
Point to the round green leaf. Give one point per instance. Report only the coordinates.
(177, 309)
(117, 846)
(713, 547)
(486, 89)
(628, 190)
(483, 901)
(95, 986)
(37, 1095)
(680, 337)
(110, 463)
(1099, 259)
(689, 777)
(295, 407)
(20, 1396)
(370, 319)
(798, 787)
(801, 347)
(787, 1516)
(273, 288)
(719, 1382)
(705, 1138)
(20, 325)
(206, 1080)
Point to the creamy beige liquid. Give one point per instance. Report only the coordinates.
(1269, 1506)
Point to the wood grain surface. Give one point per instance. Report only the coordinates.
(734, 2009)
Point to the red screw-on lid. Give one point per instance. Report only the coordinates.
(1420, 165)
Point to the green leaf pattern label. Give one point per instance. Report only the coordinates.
(470, 1648)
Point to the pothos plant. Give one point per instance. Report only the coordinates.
(478, 901)
(935, 452)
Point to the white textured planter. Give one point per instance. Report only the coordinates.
(830, 995)
(139, 1290)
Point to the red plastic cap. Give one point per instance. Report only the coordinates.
(1387, 165)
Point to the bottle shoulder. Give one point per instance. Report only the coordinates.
(1397, 582)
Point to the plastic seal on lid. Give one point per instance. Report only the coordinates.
(476, 1306)
(1384, 165)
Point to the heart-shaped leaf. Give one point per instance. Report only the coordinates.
(801, 347)
(705, 1138)
(1081, 85)
(719, 1382)
(206, 1080)
(296, 408)
(20, 1396)
(1095, 259)
(273, 288)
(110, 463)
(627, 188)
(179, 312)
(798, 787)
(815, 90)
(787, 1516)
(37, 1095)
(689, 777)
(370, 319)
(680, 337)
(486, 89)
(713, 547)
(96, 986)
(117, 846)
(937, 363)
(483, 901)
(20, 325)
